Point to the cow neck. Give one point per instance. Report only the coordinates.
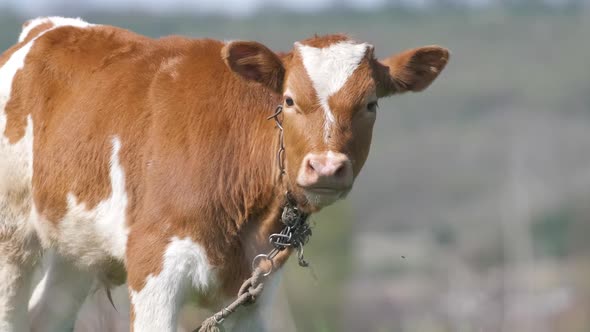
(257, 206)
(293, 235)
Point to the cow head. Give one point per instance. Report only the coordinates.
(330, 87)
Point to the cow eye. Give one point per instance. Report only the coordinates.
(372, 106)
(289, 101)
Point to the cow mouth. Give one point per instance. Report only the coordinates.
(326, 190)
(319, 197)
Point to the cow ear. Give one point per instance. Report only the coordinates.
(254, 61)
(411, 70)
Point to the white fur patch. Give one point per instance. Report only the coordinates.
(16, 159)
(57, 22)
(329, 68)
(32, 25)
(91, 235)
(185, 268)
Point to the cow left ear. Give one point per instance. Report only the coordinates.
(411, 70)
(255, 62)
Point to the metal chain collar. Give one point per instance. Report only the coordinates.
(297, 231)
(295, 235)
(281, 151)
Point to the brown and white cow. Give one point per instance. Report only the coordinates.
(152, 161)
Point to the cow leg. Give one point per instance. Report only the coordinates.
(19, 252)
(58, 296)
(17, 263)
(160, 275)
(156, 308)
(157, 301)
(15, 285)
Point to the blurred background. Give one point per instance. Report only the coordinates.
(473, 210)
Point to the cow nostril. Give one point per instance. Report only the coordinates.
(340, 171)
(310, 167)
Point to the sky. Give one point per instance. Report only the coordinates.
(229, 7)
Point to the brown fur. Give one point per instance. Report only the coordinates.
(197, 151)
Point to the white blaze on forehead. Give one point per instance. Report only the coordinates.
(329, 68)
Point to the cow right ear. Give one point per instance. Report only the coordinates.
(255, 62)
(411, 70)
